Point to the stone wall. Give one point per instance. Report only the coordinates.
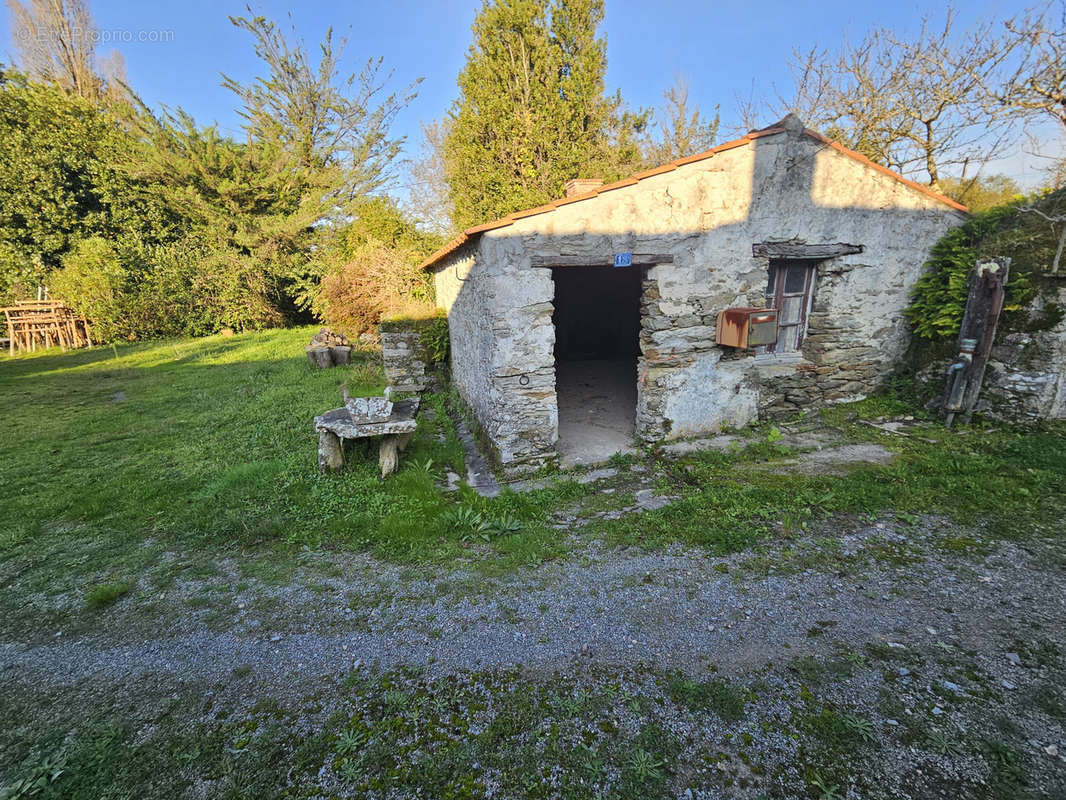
(706, 216)
(408, 364)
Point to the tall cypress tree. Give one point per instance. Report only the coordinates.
(532, 112)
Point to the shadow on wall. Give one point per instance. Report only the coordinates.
(705, 235)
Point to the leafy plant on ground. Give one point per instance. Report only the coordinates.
(825, 790)
(1005, 773)
(643, 765)
(944, 742)
(350, 742)
(860, 727)
(468, 524)
(39, 777)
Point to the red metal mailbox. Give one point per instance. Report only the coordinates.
(747, 327)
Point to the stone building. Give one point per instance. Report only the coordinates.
(559, 352)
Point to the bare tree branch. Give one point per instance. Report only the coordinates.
(914, 104)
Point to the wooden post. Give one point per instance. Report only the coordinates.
(11, 332)
(977, 334)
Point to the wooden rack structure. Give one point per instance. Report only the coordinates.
(44, 323)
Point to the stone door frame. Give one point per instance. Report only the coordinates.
(649, 296)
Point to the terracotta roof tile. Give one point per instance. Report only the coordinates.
(531, 211)
(772, 130)
(648, 173)
(573, 198)
(617, 185)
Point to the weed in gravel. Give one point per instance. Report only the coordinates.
(859, 727)
(724, 699)
(643, 766)
(1005, 773)
(825, 790)
(37, 777)
(835, 732)
(107, 594)
(944, 742)
(351, 741)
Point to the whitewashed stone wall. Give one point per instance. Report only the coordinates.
(706, 215)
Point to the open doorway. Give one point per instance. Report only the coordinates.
(597, 330)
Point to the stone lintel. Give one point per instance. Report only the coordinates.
(801, 250)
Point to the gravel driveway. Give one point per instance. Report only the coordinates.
(627, 611)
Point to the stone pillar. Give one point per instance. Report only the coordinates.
(408, 363)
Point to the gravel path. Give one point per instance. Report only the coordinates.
(678, 611)
(932, 651)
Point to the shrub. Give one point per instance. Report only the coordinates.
(375, 281)
(93, 281)
(139, 291)
(435, 338)
(939, 297)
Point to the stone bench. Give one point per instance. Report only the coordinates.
(338, 424)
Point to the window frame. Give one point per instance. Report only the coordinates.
(776, 295)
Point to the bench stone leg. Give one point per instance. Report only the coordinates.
(402, 439)
(389, 454)
(330, 454)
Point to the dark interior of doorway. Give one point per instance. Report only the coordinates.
(597, 330)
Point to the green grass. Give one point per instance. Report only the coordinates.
(629, 732)
(724, 699)
(155, 459)
(1006, 483)
(152, 461)
(107, 594)
(396, 733)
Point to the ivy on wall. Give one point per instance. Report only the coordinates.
(939, 297)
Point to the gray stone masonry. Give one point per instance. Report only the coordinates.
(1026, 376)
(778, 187)
(407, 364)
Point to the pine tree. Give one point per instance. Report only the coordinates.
(532, 111)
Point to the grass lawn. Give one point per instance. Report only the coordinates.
(129, 470)
(113, 457)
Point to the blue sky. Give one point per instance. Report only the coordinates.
(721, 48)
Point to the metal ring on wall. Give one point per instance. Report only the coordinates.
(523, 380)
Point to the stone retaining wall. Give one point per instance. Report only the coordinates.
(1025, 380)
